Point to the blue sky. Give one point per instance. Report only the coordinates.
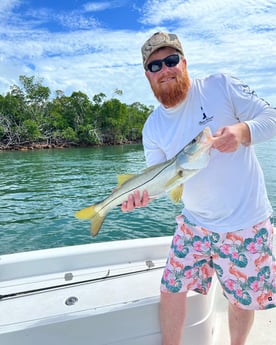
(94, 46)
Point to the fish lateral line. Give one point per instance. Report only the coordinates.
(132, 189)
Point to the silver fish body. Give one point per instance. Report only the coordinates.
(157, 180)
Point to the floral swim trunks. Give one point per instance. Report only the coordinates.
(243, 261)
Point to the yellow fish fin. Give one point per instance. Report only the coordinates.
(96, 224)
(173, 180)
(86, 213)
(91, 212)
(176, 193)
(123, 178)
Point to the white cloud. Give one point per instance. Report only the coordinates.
(103, 5)
(7, 5)
(236, 37)
(96, 6)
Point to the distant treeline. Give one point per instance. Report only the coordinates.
(29, 118)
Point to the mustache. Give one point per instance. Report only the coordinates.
(166, 76)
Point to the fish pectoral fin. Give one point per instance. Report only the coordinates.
(86, 213)
(123, 178)
(176, 193)
(96, 224)
(174, 179)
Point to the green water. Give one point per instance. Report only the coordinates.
(41, 190)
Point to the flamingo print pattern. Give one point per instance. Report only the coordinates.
(243, 261)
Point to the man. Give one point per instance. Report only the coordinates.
(225, 225)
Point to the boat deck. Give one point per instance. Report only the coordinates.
(262, 333)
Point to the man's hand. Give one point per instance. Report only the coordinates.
(229, 138)
(135, 200)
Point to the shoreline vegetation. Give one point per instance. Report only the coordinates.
(30, 119)
(61, 145)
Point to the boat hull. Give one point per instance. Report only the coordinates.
(103, 293)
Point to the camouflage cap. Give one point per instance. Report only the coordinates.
(159, 40)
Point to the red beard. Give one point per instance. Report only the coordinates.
(175, 93)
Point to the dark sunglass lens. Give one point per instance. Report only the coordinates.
(155, 66)
(172, 60)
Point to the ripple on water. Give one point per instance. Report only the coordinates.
(39, 198)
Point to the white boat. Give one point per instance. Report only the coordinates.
(103, 294)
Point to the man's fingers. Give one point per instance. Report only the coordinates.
(135, 200)
(145, 198)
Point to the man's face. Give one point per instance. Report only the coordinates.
(170, 85)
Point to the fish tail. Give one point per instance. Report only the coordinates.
(96, 224)
(91, 212)
(86, 213)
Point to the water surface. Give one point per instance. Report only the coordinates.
(41, 190)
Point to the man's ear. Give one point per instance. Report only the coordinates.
(147, 74)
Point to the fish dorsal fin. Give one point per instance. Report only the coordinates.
(176, 193)
(123, 178)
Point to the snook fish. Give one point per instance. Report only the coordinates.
(167, 177)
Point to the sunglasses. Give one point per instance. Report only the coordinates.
(170, 61)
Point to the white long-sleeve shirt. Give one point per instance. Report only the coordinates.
(229, 194)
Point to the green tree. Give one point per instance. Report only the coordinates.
(27, 114)
(36, 98)
(35, 92)
(137, 115)
(29, 131)
(114, 116)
